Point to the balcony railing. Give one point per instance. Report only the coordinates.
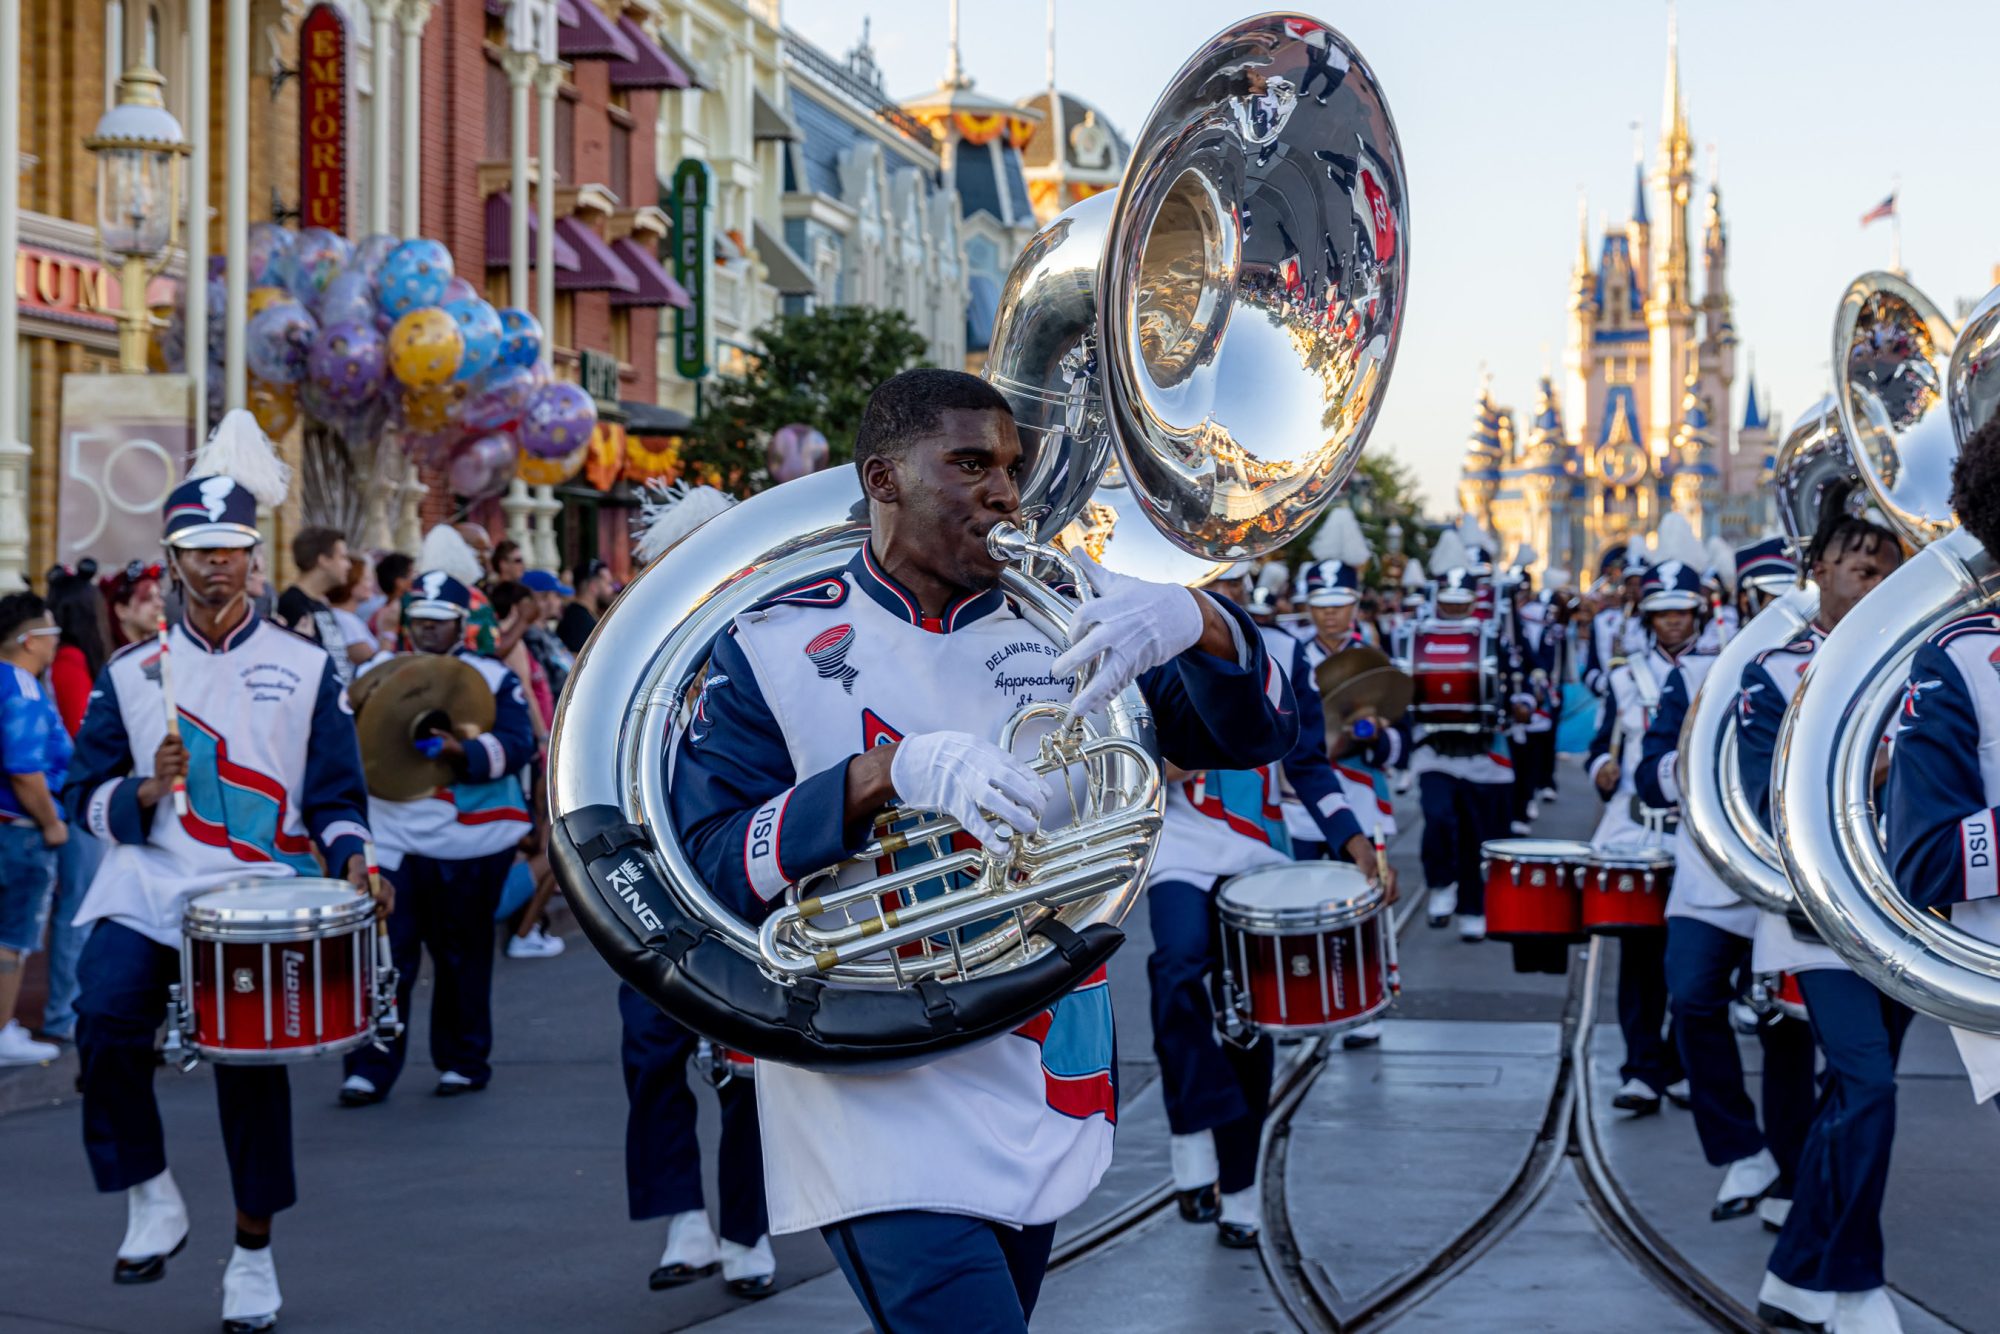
(862, 95)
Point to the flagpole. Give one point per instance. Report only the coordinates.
(1896, 243)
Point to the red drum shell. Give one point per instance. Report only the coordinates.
(1623, 893)
(1448, 668)
(1531, 887)
(1788, 996)
(1306, 946)
(278, 971)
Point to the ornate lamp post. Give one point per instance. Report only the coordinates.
(139, 145)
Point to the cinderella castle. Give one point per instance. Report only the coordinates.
(1641, 426)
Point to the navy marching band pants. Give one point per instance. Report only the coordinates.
(918, 1272)
(445, 907)
(1832, 1242)
(1702, 966)
(1208, 1084)
(1650, 1054)
(662, 1155)
(1459, 815)
(123, 979)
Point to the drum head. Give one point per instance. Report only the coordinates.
(1536, 849)
(1319, 894)
(301, 901)
(1640, 857)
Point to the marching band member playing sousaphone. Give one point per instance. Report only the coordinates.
(1670, 608)
(257, 774)
(1828, 1260)
(447, 848)
(882, 681)
(1710, 929)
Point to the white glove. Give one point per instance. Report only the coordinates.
(973, 781)
(1135, 625)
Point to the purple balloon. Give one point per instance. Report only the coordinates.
(502, 398)
(370, 251)
(348, 361)
(560, 417)
(350, 296)
(269, 254)
(483, 466)
(796, 451)
(278, 339)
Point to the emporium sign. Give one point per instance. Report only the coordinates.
(689, 211)
(323, 119)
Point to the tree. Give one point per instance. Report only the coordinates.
(817, 369)
(1382, 489)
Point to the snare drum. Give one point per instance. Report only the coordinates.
(1531, 887)
(1625, 889)
(1455, 683)
(274, 971)
(1306, 947)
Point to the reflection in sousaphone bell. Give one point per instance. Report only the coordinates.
(406, 699)
(1361, 681)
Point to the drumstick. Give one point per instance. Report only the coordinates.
(173, 717)
(1395, 965)
(375, 889)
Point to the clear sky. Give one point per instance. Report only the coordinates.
(1819, 108)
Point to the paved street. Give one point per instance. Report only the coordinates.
(506, 1211)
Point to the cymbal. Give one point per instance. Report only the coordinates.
(414, 694)
(1362, 680)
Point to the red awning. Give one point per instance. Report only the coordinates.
(656, 286)
(651, 67)
(598, 269)
(499, 241)
(584, 33)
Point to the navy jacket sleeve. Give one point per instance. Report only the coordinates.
(510, 745)
(100, 791)
(1656, 782)
(1941, 832)
(1216, 714)
(1760, 712)
(749, 824)
(335, 800)
(1307, 767)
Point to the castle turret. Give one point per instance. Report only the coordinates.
(1669, 310)
(1580, 351)
(1479, 476)
(1718, 329)
(1692, 473)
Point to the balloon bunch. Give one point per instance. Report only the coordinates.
(382, 335)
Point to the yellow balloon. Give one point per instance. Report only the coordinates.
(425, 348)
(261, 297)
(275, 406)
(428, 411)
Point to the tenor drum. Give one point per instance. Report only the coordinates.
(274, 971)
(1625, 889)
(1531, 887)
(1306, 947)
(1456, 682)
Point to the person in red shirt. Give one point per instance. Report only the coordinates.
(79, 611)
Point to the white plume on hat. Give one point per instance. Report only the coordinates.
(1636, 554)
(1274, 576)
(1413, 575)
(668, 514)
(1242, 569)
(1470, 535)
(1675, 540)
(1340, 538)
(445, 549)
(1722, 560)
(1524, 556)
(1449, 553)
(238, 449)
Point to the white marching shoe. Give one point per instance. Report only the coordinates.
(1440, 906)
(250, 1299)
(1744, 1183)
(1782, 1306)
(1472, 926)
(1869, 1312)
(1241, 1213)
(1772, 1213)
(749, 1271)
(156, 1227)
(691, 1253)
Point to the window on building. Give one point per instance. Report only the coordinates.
(621, 163)
(566, 139)
(621, 334)
(499, 113)
(565, 319)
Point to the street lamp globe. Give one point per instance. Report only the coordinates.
(138, 145)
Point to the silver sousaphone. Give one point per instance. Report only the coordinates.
(1909, 394)
(1195, 361)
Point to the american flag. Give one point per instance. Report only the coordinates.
(1885, 209)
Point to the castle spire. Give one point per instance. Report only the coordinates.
(1582, 268)
(1673, 116)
